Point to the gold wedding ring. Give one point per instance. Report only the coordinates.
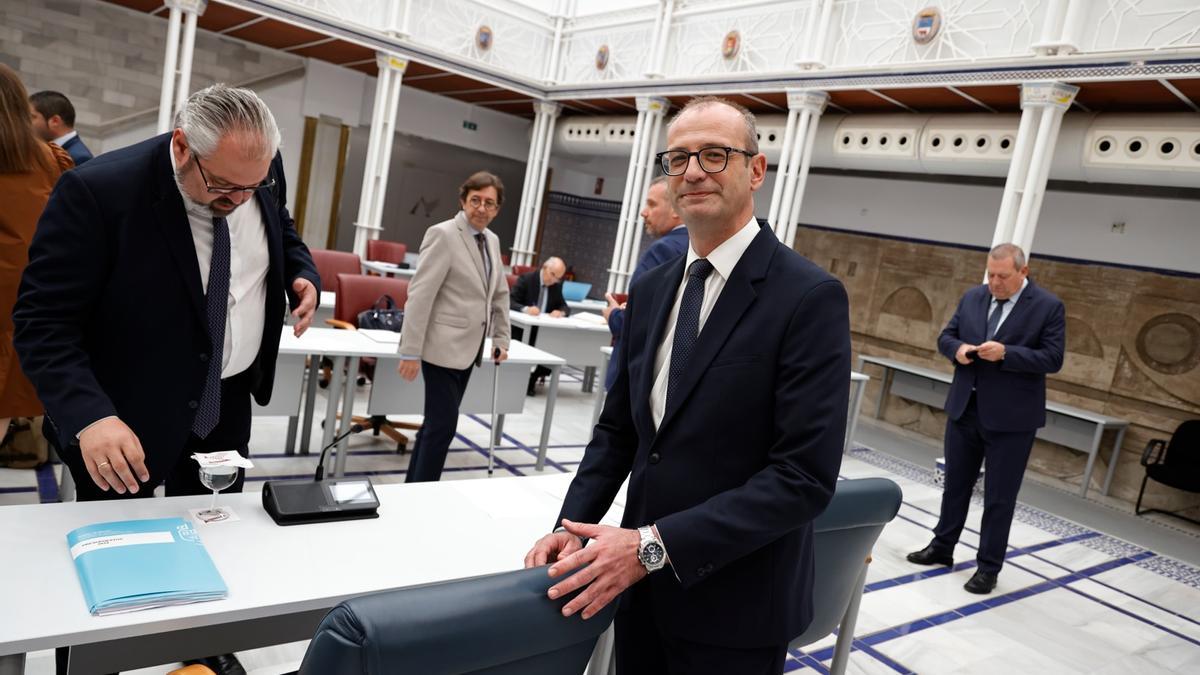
(101, 465)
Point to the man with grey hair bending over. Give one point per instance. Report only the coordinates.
(151, 309)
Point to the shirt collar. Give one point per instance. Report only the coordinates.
(192, 207)
(726, 256)
(62, 140)
(1015, 296)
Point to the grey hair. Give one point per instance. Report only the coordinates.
(748, 118)
(1005, 251)
(658, 180)
(211, 113)
(554, 259)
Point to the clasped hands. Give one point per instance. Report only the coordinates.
(988, 351)
(609, 564)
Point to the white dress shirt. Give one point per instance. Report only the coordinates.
(1008, 306)
(248, 265)
(723, 258)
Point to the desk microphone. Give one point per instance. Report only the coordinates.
(293, 502)
(320, 474)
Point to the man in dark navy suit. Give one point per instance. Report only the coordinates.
(667, 227)
(151, 308)
(1004, 338)
(728, 421)
(54, 120)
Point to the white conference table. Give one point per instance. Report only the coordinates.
(587, 305)
(389, 394)
(281, 580)
(392, 395)
(1066, 425)
(386, 269)
(576, 340)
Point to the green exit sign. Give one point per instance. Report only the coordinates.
(470, 126)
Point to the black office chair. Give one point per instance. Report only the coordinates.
(501, 624)
(844, 535)
(1175, 464)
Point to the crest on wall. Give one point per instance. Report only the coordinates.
(602, 57)
(484, 37)
(926, 25)
(731, 45)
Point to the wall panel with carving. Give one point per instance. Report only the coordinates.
(1133, 341)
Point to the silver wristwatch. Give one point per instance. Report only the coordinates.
(650, 551)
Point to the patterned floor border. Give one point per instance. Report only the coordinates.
(1171, 568)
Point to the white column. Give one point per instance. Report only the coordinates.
(634, 243)
(639, 135)
(186, 50)
(809, 105)
(560, 19)
(785, 153)
(550, 111)
(816, 31)
(662, 34)
(183, 14)
(530, 209)
(168, 77)
(379, 150)
(645, 143)
(1043, 106)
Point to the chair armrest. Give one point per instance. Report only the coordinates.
(1156, 446)
(344, 325)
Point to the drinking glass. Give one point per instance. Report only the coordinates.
(216, 478)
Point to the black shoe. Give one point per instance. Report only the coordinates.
(981, 583)
(221, 664)
(928, 556)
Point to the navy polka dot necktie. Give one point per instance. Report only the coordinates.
(217, 299)
(687, 324)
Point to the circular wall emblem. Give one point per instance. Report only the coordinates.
(926, 25)
(1170, 343)
(484, 37)
(602, 57)
(731, 44)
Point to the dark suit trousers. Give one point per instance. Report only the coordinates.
(642, 648)
(444, 388)
(1004, 456)
(231, 433)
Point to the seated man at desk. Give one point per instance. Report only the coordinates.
(536, 293)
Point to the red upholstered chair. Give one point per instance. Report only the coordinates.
(332, 263)
(357, 293)
(504, 258)
(522, 269)
(512, 280)
(386, 251)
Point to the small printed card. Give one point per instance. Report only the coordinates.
(222, 458)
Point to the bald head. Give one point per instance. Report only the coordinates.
(553, 271)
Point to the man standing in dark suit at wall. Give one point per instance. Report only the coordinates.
(663, 224)
(151, 308)
(728, 421)
(54, 120)
(1004, 338)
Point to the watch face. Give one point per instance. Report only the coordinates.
(652, 553)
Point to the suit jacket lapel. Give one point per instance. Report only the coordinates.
(736, 298)
(268, 208)
(659, 305)
(175, 228)
(467, 234)
(1018, 310)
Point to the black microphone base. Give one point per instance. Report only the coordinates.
(296, 502)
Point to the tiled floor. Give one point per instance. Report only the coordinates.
(1069, 600)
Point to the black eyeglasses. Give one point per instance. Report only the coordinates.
(231, 189)
(712, 159)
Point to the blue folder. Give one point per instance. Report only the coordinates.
(139, 564)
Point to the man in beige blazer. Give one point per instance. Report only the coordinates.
(458, 296)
